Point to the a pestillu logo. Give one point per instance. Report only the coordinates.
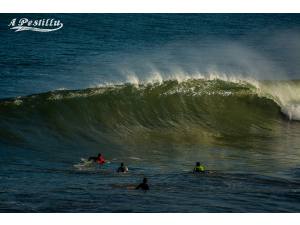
(40, 25)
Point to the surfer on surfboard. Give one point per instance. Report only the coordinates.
(199, 168)
(122, 169)
(99, 159)
(144, 185)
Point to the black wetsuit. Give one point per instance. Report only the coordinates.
(121, 169)
(143, 186)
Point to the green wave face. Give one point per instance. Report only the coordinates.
(193, 111)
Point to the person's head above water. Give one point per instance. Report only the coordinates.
(197, 163)
(99, 155)
(145, 180)
(122, 164)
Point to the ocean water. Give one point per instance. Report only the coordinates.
(158, 92)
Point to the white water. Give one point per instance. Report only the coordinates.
(286, 94)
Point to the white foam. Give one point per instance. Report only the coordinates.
(18, 102)
(292, 111)
(133, 79)
(286, 94)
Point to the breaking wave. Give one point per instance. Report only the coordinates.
(189, 111)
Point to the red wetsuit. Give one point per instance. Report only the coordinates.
(100, 160)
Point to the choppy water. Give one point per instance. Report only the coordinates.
(157, 92)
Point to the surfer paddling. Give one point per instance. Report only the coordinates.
(99, 159)
(122, 168)
(199, 168)
(144, 186)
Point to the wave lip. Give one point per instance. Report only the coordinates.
(285, 93)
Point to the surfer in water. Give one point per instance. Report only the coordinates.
(199, 168)
(99, 159)
(122, 169)
(144, 186)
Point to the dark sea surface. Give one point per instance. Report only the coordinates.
(158, 92)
